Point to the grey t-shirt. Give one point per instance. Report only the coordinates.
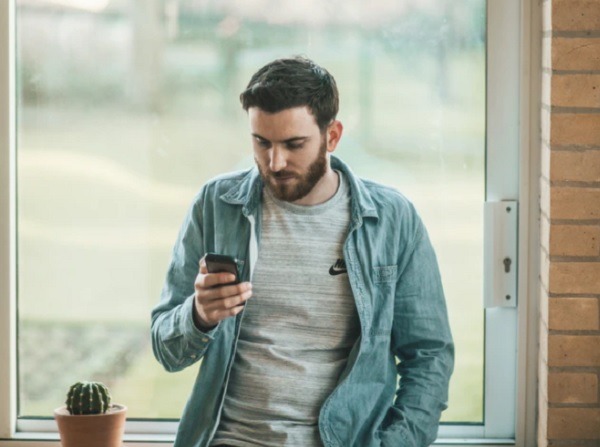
(298, 328)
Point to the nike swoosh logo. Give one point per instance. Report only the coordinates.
(333, 271)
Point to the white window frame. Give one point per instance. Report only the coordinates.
(513, 38)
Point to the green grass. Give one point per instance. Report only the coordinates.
(149, 390)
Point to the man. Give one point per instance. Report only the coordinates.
(338, 281)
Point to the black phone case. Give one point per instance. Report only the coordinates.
(216, 263)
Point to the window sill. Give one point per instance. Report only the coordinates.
(52, 440)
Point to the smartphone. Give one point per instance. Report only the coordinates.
(222, 263)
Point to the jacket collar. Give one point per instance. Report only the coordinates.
(248, 193)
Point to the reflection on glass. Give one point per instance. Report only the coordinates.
(124, 112)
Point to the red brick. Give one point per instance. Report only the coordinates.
(573, 350)
(580, 166)
(576, 90)
(575, 240)
(575, 53)
(574, 203)
(580, 314)
(575, 277)
(575, 15)
(573, 388)
(575, 129)
(574, 423)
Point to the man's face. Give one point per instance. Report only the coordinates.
(289, 150)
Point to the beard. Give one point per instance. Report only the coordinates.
(303, 184)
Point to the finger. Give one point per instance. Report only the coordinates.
(207, 295)
(225, 292)
(217, 279)
(224, 304)
(202, 265)
(237, 300)
(211, 280)
(218, 315)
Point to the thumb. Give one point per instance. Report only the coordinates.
(202, 266)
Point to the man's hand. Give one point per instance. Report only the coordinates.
(216, 298)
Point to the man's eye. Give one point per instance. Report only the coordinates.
(292, 146)
(264, 143)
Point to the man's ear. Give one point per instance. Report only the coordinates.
(334, 134)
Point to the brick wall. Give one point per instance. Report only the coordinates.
(569, 360)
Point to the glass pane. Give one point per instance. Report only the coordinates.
(125, 111)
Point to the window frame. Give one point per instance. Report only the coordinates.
(513, 95)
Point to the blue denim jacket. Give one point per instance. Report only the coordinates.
(396, 284)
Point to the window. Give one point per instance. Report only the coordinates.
(116, 116)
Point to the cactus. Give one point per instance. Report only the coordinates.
(88, 398)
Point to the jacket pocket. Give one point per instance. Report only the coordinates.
(384, 288)
(385, 274)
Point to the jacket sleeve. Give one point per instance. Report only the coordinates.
(422, 343)
(176, 341)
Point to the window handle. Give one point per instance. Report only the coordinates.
(500, 254)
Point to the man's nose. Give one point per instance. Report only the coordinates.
(278, 161)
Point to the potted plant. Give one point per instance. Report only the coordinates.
(89, 419)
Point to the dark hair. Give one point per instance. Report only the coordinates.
(294, 82)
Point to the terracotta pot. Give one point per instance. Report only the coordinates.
(91, 430)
